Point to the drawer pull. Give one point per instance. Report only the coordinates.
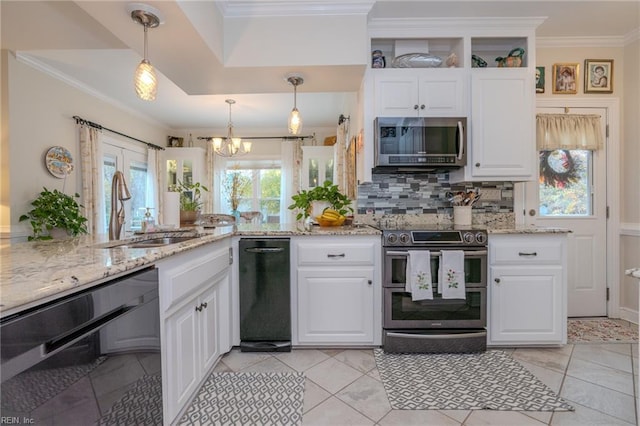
(532, 254)
(331, 256)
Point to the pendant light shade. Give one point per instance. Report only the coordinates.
(145, 80)
(231, 145)
(295, 120)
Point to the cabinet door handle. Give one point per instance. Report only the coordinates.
(497, 280)
(415, 107)
(531, 254)
(204, 305)
(369, 282)
(422, 106)
(330, 256)
(477, 164)
(198, 308)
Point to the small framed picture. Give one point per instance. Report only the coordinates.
(565, 79)
(174, 142)
(598, 76)
(539, 79)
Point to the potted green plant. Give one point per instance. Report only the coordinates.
(328, 193)
(55, 210)
(190, 200)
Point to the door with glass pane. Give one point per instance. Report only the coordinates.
(571, 193)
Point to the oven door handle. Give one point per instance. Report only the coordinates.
(438, 253)
(437, 336)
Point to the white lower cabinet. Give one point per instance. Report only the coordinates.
(195, 306)
(527, 290)
(335, 306)
(338, 290)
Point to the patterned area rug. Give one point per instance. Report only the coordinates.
(140, 405)
(489, 380)
(248, 399)
(27, 391)
(596, 330)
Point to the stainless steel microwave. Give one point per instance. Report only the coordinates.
(420, 143)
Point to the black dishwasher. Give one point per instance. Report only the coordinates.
(265, 295)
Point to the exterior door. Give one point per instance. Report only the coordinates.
(571, 193)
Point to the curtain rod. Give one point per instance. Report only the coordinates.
(208, 138)
(97, 126)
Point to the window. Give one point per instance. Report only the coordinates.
(253, 189)
(131, 160)
(566, 178)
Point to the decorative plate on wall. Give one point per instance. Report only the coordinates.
(58, 161)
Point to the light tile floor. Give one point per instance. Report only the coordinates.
(343, 386)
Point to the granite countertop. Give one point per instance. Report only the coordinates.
(36, 272)
(524, 229)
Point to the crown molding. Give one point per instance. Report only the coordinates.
(389, 27)
(29, 60)
(273, 8)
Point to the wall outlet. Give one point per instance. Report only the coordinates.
(490, 194)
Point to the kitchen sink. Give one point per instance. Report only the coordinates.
(158, 242)
(153, 242)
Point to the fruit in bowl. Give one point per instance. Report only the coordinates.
(330, 217)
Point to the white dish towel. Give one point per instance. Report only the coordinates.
(418, 275)
(451, 275)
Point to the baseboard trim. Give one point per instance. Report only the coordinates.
(628, 315)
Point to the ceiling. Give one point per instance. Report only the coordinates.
(96, 46)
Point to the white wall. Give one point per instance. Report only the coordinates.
(39, 116)
(316, 40)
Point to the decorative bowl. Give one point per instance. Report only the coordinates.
(416, 60)
(324, 222)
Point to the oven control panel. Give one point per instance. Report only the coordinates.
(425, 238)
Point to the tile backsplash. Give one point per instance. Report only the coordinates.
(425, 194)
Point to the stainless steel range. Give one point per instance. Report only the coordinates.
(437, 325)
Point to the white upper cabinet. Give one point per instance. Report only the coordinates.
(497, 97)
(420, 93)
(502, 142)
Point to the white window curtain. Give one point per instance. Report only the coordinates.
(342, 134)
(568, 131)
(92, 188)
(208, 197)
(291, 153)
(154, 183)
(215, 172)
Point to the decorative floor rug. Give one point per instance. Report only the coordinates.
(248, 399)
(29, 390)
(489, 380)
(140, 405)
(594, 330)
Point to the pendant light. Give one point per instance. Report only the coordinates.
(145, 79)
(295, 121)
(231, 145)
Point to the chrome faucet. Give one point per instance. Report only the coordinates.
(119, 192)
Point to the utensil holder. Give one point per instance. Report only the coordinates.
(462, 215)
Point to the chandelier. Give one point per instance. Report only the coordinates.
(145, 79)
(231, 145)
